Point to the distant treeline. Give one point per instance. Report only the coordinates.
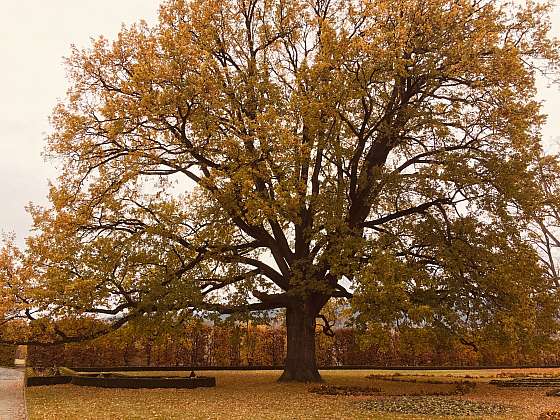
(202, 344)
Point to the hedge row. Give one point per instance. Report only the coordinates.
(123, 382)
(250, 345)
(7, 354)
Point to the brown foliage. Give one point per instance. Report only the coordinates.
(261, 345)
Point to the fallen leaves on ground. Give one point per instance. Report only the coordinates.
(252, 395)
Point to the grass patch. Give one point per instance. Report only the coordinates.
(437, 406)
(344, 390)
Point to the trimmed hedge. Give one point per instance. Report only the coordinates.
(120, 381)
(47, 380)
(7, 354)
(526, 382)
(144, 382)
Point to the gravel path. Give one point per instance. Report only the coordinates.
(12, 402)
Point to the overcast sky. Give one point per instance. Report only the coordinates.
(34, 36)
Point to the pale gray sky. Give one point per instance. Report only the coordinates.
(34, 36)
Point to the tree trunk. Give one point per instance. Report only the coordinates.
(301, 365)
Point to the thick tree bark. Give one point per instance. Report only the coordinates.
(301, 365)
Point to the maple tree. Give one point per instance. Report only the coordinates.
(247, 155)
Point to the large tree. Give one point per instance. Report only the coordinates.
(246, 155)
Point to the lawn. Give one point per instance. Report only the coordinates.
(257, 395)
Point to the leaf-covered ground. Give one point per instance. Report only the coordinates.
(257, 395)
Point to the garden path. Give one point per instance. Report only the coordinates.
(12, 399)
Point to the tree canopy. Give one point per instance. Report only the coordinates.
(245, 155)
